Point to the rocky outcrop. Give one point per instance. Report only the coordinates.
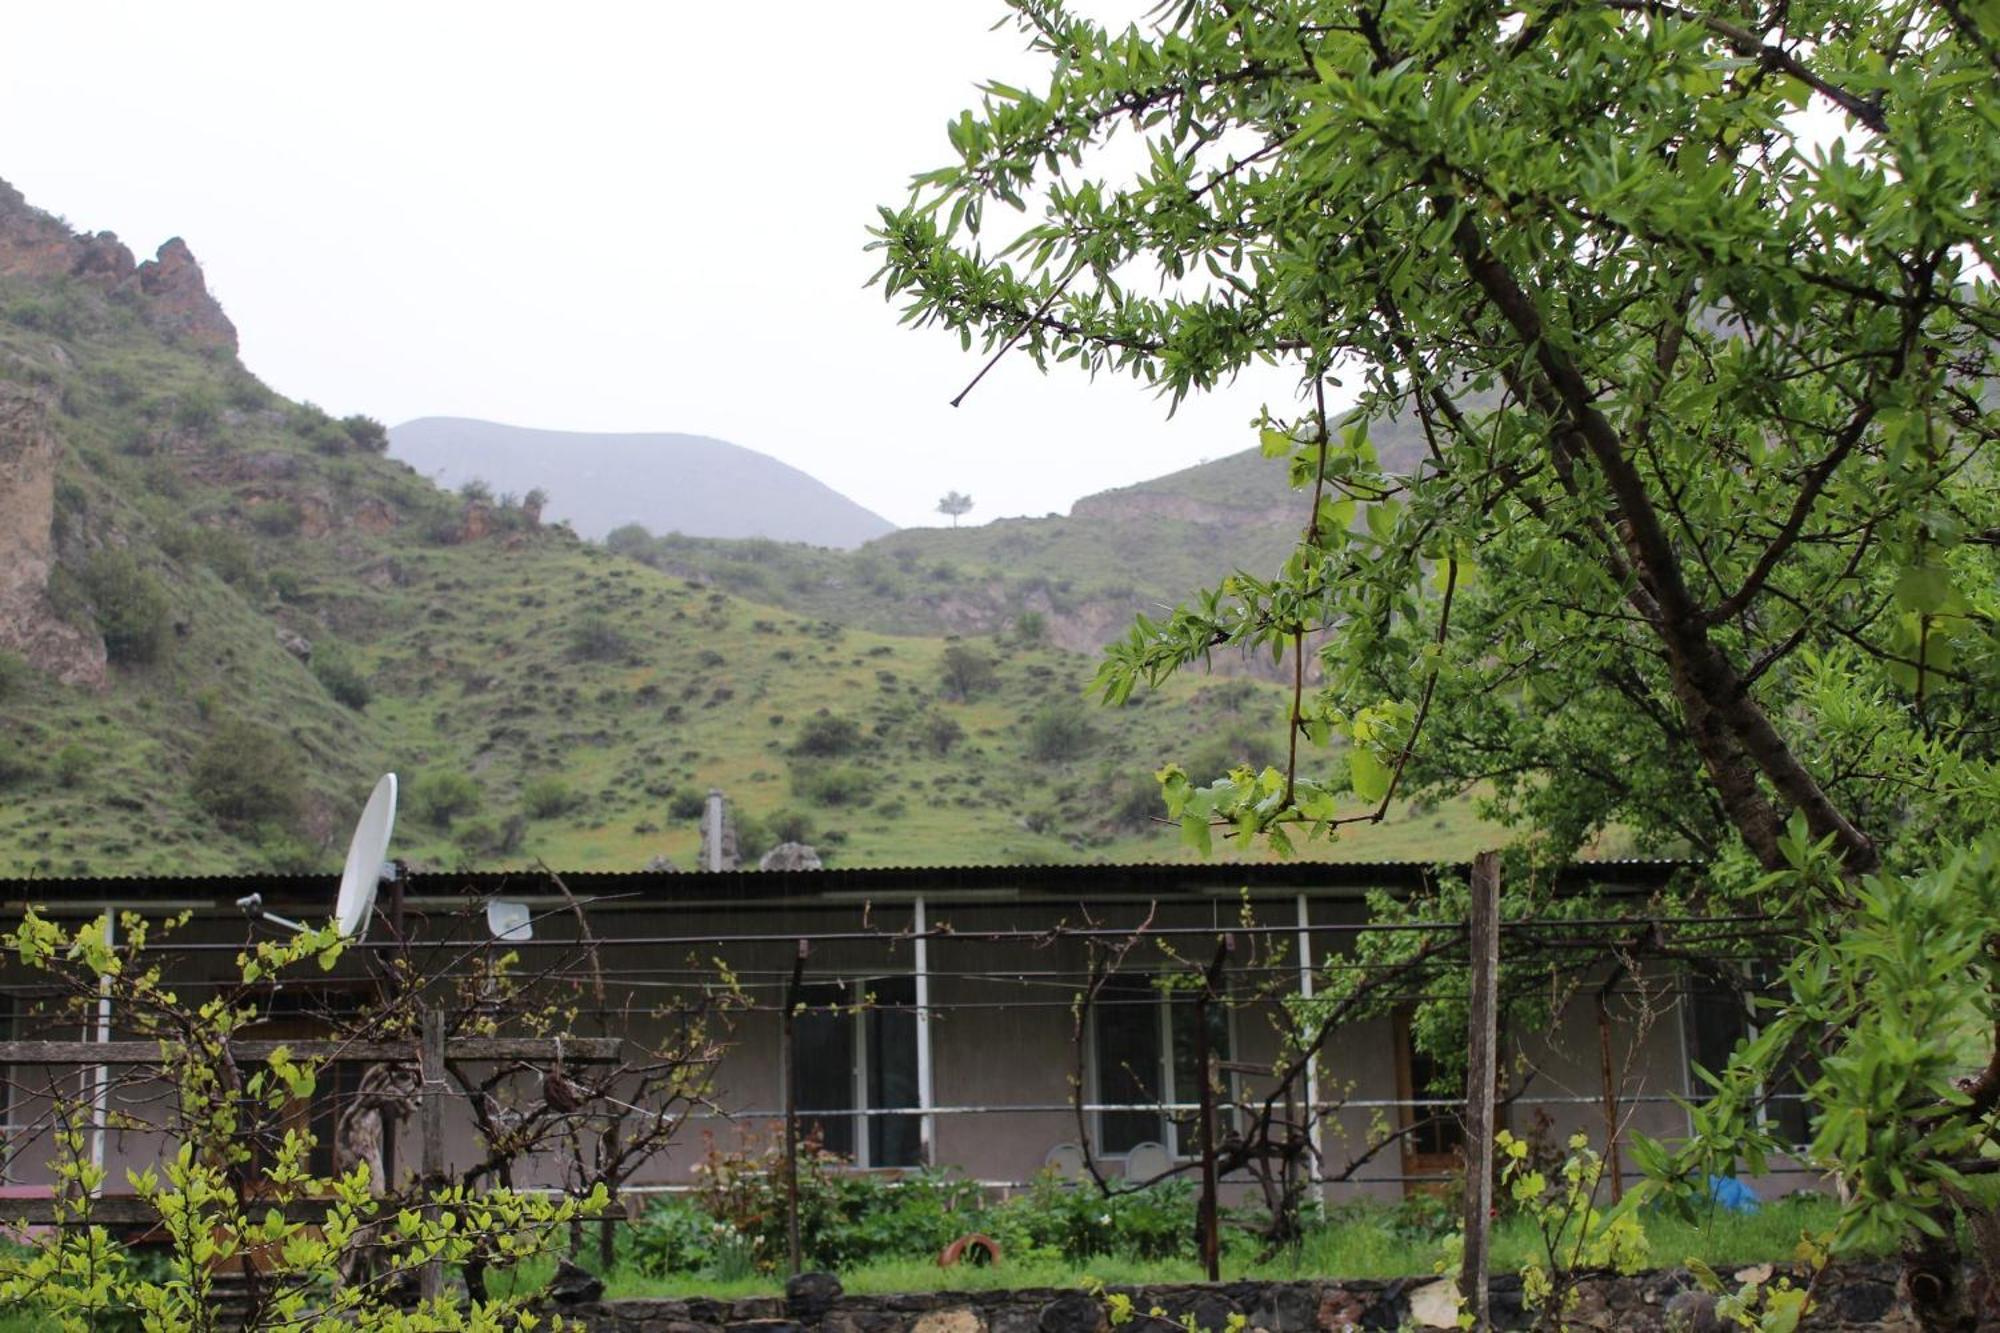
(173, 295)
(178, 303)
(29, 624)
(790, 856)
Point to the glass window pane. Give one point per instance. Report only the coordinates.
(1187, 1083)
(1126, 1036)
(823, 1062)
(892, 1073)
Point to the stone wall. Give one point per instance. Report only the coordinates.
(1855, 1297)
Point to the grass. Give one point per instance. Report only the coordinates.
(1357, 1246)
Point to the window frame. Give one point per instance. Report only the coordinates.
(1228, 1105)
(854, 987)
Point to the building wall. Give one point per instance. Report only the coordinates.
(1002, 1027)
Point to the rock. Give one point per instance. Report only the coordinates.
(790, 856)
(960, 1320)
(298, 645)
(29, 623)
(1693, 1312)
(476, 522)
(1012, 1319)
(178, 303)
(660, 865)
(574, 1286)
(373, 516)
(1290, 1308)
(1073, 1312)
(1339, 1308)
(765, 1326)
(810, 1295)
(1859, 1302)
(1435, 1304)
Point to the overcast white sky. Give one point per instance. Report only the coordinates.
(610, 216)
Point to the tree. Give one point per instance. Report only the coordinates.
(966, 673)
(247, 774)
(129, 605)
(956, 505)
(1691, 524)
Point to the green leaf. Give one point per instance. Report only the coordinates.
(1368, 774)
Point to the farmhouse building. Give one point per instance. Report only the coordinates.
(935, 1012)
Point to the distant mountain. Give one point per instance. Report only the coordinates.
(668, 483)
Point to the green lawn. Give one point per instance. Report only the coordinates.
(1359, 1247)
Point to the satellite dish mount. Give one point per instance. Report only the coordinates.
(363, 874)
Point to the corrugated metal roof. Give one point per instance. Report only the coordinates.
(644, 886)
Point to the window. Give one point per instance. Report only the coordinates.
(1719, 1012)
(1433, 1144)
(1143, 1051)
(855, 1049)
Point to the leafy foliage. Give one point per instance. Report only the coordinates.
(246, 774)
(1701, 542)
(129, 605)
(441, 795)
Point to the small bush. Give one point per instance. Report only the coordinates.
(965, 673)
(687, 803)
(940, 733)
(274, 518)
(247, 774)
(196, 410)
(790, 826)
(825, 735)
(631, 539)
(15, 673)
(1031, 628)
(440, 795)
(476, 491)
(130, 607)
(546, 797)
(832, 785)
(1060, 730)
(72, 764)
(597, 638)
(341, 675)
(16, 764)
(366, 433)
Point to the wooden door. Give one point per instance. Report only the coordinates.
(1434, 1136)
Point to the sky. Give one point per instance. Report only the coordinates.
(588, 216)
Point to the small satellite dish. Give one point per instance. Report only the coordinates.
(509, 921)
(366, 851)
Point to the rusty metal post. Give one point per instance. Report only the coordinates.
(1211, 1230)
(1481, 1077)
(787, 1071)
(430, 1064)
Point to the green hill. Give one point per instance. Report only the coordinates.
(223, 613)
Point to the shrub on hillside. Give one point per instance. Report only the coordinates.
(631, 539)
(826, 735)
(247, 774)
(72, 764)
(1239, 746)
(366, 433)
(597, 638)
(17, 765)
(341, 675)
(686, 803)
(940, 733)
(14, 675)
(1059, 730)
(546, 797)
(129, 605)
(832, 785)
(440, 795)
(965, 673)
(274, 518)
(228, 554)
(1031, 628)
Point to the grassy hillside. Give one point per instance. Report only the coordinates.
(542, 697)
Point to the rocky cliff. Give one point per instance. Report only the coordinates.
(171, 294)
(29, 623)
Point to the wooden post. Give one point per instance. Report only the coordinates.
(1612, 1165)
(787, 1054)
(1211, 1230)
(431, 1125)
(1481, 1076)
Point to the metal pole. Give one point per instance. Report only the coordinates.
(926, 1097)
(1314, 1135)
(1211, 1230)
(1481, 1077)
(431, 1067)
(100, 1093)
(787, 1055)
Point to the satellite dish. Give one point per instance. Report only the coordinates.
(509, 921)
(366, 851)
